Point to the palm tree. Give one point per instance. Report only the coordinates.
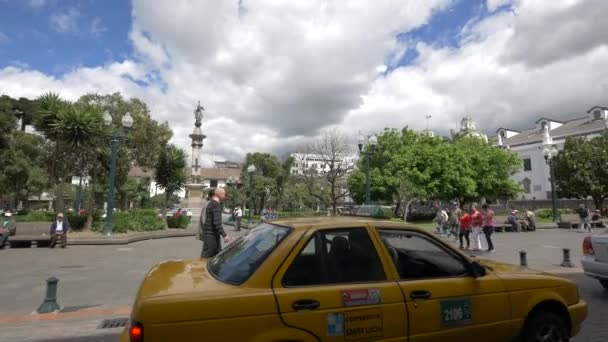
(75, 130)
(169, 172)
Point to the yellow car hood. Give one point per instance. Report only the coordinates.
(518, 278)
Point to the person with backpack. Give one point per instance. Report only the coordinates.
(454, 220)
(583, 215)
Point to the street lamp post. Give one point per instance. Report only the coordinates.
(371, 143)
(127, 123)
(251, 170)
(232, 182)
(550, 152)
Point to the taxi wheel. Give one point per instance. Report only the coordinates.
(545, 326)
(604, 283)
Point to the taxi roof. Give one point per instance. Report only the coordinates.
(339, 221)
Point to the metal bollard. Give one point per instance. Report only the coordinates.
(523, 258)
(50, 301)
(567, 262)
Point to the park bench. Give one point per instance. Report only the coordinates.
(31, 232)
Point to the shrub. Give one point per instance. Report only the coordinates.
(76, 222)
(548, 213)
(36, 216)
(382, 212)
(137, 220)
(181, 221)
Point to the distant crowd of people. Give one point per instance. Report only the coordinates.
(467, 225)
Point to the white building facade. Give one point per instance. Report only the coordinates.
(306, 161)
(529, 144)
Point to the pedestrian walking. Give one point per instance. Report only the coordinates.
(59, 231)
(7, 229)
(465, 229)
(238, 216)
(488, 225)
(201, 220)
(476, 228)
(442, 222)
(454, 220)
(583, 215)
(213, 229)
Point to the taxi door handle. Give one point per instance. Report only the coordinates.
(420, 294)
(305, 304)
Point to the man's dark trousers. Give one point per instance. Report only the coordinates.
(63, 237)
(211, 245)
(237, 223)
(4, 239)
(487, 231)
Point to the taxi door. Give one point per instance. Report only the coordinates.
(334, 286)
(444, 302)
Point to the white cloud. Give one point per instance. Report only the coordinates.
(66, 21)
(37, 3)
(493, 5)
(97, 28)
(272, 73)
(3, 38)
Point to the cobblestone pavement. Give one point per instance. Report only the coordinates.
(97, 278)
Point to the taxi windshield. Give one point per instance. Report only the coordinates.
(240, 259)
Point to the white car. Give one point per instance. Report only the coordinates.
(595, 257)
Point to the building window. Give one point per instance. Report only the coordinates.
(527, 164)
(213, 183)
(526, 184)
(543, 125)
(538, 188)
(597, 114)
(502, 134)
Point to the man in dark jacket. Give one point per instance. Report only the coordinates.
(59, 230)
(212, 228)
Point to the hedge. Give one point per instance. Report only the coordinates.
(181, 221)
(136, 220)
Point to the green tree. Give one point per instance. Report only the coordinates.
(170, 172)
(22, 175)
(581, 169)
(268, 178)
(144, 142)
(410, 166)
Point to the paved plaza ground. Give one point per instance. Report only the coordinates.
(97, 282)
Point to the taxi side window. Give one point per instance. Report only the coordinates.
(334, 257)
(418, 257)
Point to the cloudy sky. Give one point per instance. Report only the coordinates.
(273, 73)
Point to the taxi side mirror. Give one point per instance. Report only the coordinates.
(477, 270)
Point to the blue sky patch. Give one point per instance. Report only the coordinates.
(55, 36)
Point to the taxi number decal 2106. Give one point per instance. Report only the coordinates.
(456, 311)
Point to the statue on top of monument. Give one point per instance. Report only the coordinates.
(198, 114)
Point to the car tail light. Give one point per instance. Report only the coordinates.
(587, 246)
(136, 332)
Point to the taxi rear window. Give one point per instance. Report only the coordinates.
(239, 260)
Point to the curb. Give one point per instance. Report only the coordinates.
(112, 240)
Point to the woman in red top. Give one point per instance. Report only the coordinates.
(476, 228)
(465, 229)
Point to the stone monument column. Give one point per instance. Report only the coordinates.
(195, 185)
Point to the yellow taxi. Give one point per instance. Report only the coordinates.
(350, 279)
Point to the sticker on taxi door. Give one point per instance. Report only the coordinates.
(355, 325)
(456, 311)
(361, 297)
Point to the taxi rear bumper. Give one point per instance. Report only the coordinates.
(578, 313)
